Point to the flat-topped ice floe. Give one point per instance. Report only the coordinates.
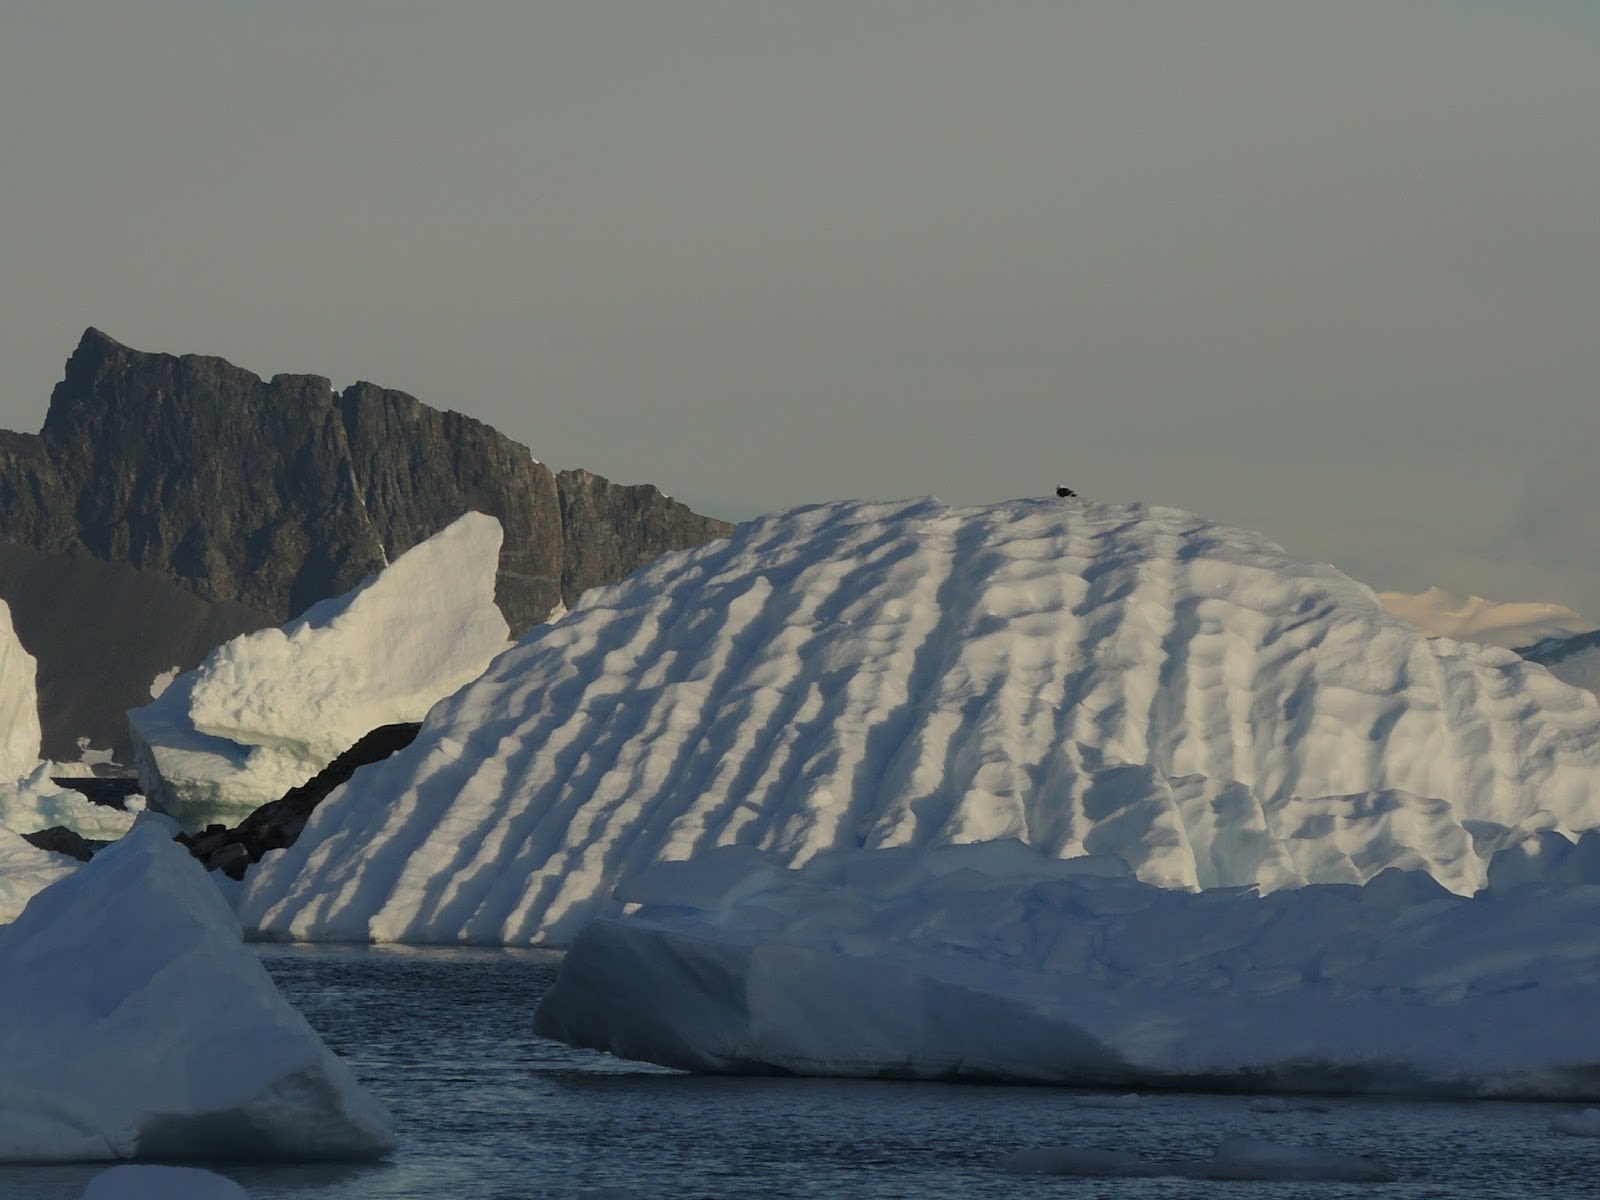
(268, 710)
(994, 962)
(1088, 678)
(134, 1023)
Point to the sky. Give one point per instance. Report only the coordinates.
(1326, 271)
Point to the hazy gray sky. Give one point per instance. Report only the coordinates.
(1326, 270)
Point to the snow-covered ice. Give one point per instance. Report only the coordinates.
(1088, 678)
(1237, 1157)
(37, 802)
(268, 710)
(25, 870)
(29, 800)
(134, 1023)
(994, 961)
(140, 1181)
(19, 703)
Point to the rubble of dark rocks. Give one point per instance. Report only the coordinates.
(58, 839)
(276, 825)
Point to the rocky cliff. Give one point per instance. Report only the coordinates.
(189, 487)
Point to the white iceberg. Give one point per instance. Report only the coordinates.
(37, 802)
(134, 1023)
(29, 800)
(19, 703)
(25, 871)
(268, 710)
(1088, 678)
(994, 962)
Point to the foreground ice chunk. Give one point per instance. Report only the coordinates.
(134, 1023)
(1088, 678)
(992, 961)
(268, 710)
(1238, 1157)
(139, 1182)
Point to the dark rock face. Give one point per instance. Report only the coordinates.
(263, 497)
(58, 839)
(276, 825)
(613, 529)
(101, 632)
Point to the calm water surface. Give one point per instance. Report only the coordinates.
(487, 1110)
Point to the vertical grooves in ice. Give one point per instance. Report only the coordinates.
(1088, 678)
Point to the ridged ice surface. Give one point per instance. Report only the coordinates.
(1088, 678)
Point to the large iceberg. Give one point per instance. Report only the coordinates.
(994, 962)
(1087, 678)
(134, 1023)
(268, 710)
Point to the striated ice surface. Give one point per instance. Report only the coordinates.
(268, 710)
(134, 1023)
(993, 961)
(1090, 679)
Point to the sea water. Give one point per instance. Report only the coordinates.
(487, 1110)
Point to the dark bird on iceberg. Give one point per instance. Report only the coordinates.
(1065, 492)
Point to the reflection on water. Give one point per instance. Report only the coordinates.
(488, 1111)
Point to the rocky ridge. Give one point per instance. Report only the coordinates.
(257, 498)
